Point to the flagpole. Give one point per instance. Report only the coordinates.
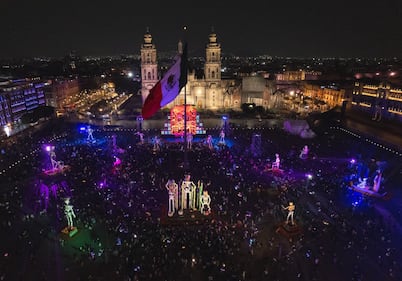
(186, 165)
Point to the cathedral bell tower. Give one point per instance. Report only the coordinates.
(149, 66)
(212, 68)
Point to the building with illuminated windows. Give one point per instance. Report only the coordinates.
(330, 94)
(60, 94)
(18, 97)
(209, 92)
(382, 100)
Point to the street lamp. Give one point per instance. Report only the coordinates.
(7, 130)
(309, 177)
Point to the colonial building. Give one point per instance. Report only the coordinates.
(60, 93)
(149, 66)
(329, 94)
(18, 97)
(209, 92)
(380, 99)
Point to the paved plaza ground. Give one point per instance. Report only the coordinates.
(124, 233)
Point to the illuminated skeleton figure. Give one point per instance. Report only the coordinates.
(362, 183)
(157, 143)
(56, 165)
(209, 142)
(291, 210)
(141, 135)
(276, 164)
(172, 187)
(205, 203)
(189, 140)
(304, 152)
(69, 212)
(222, 137)
(187, 187)
(53, 161)
(377, 181)
(90, 136)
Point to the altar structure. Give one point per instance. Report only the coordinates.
(187, 197)
(175, 123)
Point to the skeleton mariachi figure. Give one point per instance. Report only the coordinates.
(276, 164)
(69, 212)
(291, 209)
(377, 181)
(187, 187)
(222, 137)
(90, 136)
(157, 143)
(172, 188)
(205, 203)
(189, 140)
(209, 142)
(304, 152)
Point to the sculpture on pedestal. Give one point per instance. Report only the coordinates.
(291, 210)
(304, 152)
(141, 136)
(205, 207)
(90, 136)
(69, 212)
(157, 143)
(187, 187)
(222, 137)
(172, 187)
(276, 164)
(189, 140)
(377, 181)
(209, 142)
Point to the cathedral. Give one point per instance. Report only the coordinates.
(209, 92)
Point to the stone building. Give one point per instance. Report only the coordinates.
(209, 92)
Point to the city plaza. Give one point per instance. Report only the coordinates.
(83, 202)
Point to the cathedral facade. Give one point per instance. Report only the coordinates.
(209, 92)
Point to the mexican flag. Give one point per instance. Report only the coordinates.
(168, 88)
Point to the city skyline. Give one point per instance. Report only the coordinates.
(341, 29)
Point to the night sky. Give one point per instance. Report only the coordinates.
(352, 28)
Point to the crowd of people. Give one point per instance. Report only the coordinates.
(121, 210)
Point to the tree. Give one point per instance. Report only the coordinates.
(248, 108)
(44, 111)
(39, 112)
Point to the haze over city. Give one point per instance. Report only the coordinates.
(303, 29)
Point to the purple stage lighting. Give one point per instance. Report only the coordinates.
(309, 176)
(352, 161)
(48, 148)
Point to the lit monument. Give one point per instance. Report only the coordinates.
(172, 188)
(187, 187)
(205, 203)
(90, 136)
(70, 230)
